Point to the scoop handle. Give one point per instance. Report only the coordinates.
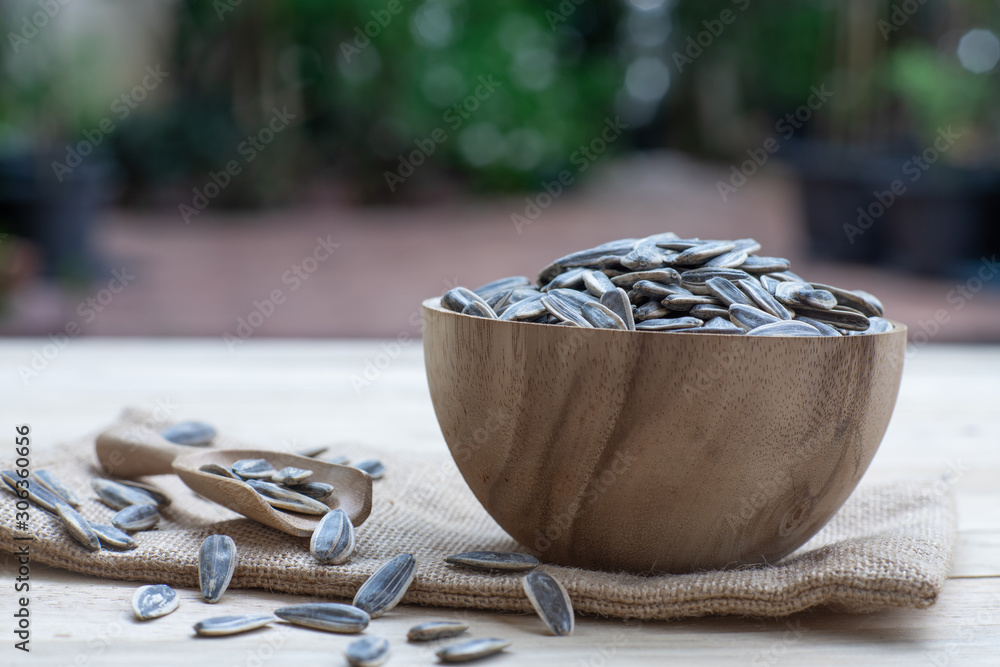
(136, 450)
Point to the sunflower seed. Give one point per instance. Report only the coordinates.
(339, 460)
(662, 276)
(649, 311)
(118, 496)
(159, 498)
(703, 252)
(716, 325)
(502, 285)
(768, 283)
(471, 650)
(878, 325)
(286, 499)
(494, 560)
(786, 277)
(566, 280)
(668, 324)
(78, 527)
(231, 625)
(748, 317)
(602, 317)
(333, 539)
(841, 317)
(477, 309)
(785, 328)
(367, 652)
(291, 475)
(190, 433)
(317, 490)
(551, 602)
(216, 564)
(384, 589)
(617, 301)
(871, 303)
(658, 290)
(803, 294)
(643, 257)
(154, 601)
(111, 536)
(859, 300)
(821, 327)
(53, 484)
(754, 264)
(730, 260)
(764, 299)
(499, 300)
(136, 517)
(726, 292)
(432, 630)
(597, 283)
(528, 309)
(32, 490)
(694, 280)
(458, 298)
(216, 469)
(564, 310)
(706, 312)
(253, 468)
(373, 467)
(329, 616)
(685, 302)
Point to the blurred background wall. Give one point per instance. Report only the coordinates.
(236, 168)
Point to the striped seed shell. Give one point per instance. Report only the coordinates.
(564, 309)
(703, 252)
(502, 285)
(494, 560)
(472, 649)
(220, 470)
(649, 311)
(566, 280)
(685, 302)
(78, 527)
(36, 493)
(136, 517)
(663, 276)
(706, 312)
(694, 279)
(499, 300)
(878, 325)
(821, 327)
(286, 499)
(154, 601)
(231, 625)
(729, 260)
(726, 292)
(55, 485)
(716, 325)
(643, 257)
(841, 317)
(384, 589)
(477, 309)
(657, 290)
(339, 460)
(374, 467)
(597, 283)
(748, 317)
(432, 630)
(763, 299)
(803, 294)
(190, 433)
(458, 298)
(112, 537)
(749, 246)
(367, 652)
(786, 277)
(160, 499)
(528, 309)
(329, 616)
(785, 328)
(311, 452)
(754, 264)
(118, 496)
(333, 539)
(253, 468)
(551, 601)
(317, 490)
(216, 564)
(291, 475)
(617, 301)
(668, 324)
(602, 317)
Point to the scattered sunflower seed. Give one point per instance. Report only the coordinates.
(373, 467)
(190, 433)
(136, 517)
(333, 539)
(291, 475)
(216, 564)
(118, 496)
(55, 485)
(329, 616)
(113, 537)
(471, 650)
(29, 488)
(387, 586)
(231, 625)
(494, 560)
(154, 601)
(78, 527)
(220, 470)
(551, 601)
(253, 468)
(160, 499)
(367, 652)
(432, 630)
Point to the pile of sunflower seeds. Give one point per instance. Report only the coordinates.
(666, 283)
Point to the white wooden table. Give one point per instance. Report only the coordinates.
(301, 393)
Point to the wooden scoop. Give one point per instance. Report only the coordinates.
(126, 452)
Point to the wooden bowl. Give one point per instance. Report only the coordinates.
(658, 452)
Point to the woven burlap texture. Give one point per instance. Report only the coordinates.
(889, 546)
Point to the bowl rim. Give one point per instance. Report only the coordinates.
(434, 303)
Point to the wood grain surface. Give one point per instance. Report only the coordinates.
(298, 393)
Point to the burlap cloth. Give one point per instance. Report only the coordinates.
(889, 546)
